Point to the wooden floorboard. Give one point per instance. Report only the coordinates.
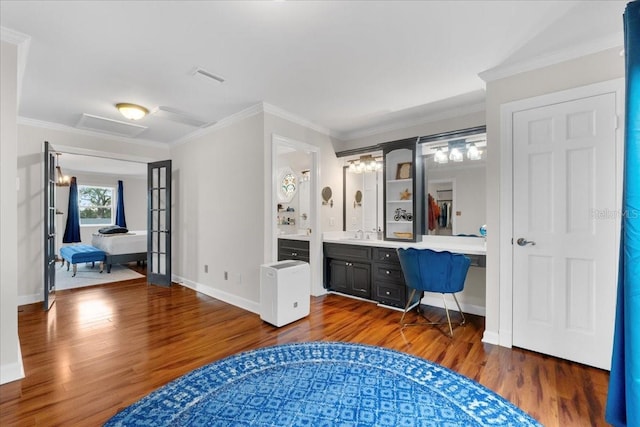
(102, 348)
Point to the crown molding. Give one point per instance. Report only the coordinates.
(23, 41)
(227, 121)
(399, 124)
(12, 36)
(562, 55)
(286, 115)
(64, 128)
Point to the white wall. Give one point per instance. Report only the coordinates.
(603, 66)
(218, 205)
(10, 359)
(30, 201)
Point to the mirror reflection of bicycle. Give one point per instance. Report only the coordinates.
(402, 214)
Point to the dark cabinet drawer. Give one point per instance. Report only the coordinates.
(385, 255)
(293, 249)
(349, 252)
(388, 273)
(390, 294)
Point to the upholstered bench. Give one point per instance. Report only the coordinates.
(82, 253)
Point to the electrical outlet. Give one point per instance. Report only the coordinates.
(332, 221)
(226, 275)
(206, 268)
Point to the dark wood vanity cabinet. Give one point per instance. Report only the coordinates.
(367, 272)
(388, 281)
(348, 269)
(293, 249)
(352, 278)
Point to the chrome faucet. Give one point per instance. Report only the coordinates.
(359, 234)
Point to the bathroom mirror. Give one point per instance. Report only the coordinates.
(457, 185)
(362, 207)
(455, 176)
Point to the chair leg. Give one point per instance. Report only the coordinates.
(464, 320)
(444, 302)
(413, 292)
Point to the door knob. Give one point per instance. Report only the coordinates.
(524, 242)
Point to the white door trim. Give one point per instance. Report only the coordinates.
(505, 326)
(315, 240)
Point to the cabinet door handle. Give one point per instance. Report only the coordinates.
(388, 293)
(386, 255)
(294, 254)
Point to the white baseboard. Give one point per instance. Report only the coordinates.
(29, 299)
(436, 301)
(12, 371)
(235, 300)
(491, 337)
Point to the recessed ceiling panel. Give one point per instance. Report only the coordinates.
(114, 127)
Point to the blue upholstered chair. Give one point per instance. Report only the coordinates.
(430, 271)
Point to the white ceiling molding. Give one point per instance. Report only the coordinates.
(506, 70)
(283, 114)
(55, 126)
(109, 155)
(448, 113)
(23, 41)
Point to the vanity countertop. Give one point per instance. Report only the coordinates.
(464, 245)
(303, 237)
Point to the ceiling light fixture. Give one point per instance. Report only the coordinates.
(366, 163)
(61, 179)
(132, 111)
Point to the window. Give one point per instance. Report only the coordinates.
(96, 205)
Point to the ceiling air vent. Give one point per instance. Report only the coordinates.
(207, 75)
(114, 127)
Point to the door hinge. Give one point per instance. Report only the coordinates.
(512, 240)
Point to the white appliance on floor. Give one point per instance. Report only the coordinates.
(285, 292)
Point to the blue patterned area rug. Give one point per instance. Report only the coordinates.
(322, 384)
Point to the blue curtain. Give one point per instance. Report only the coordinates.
(120, 219)
(72, 230)
(623, 400)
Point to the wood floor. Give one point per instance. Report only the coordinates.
(102, 348)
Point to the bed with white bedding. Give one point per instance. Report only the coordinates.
(122, 247)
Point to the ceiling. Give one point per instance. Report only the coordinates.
(348, 67)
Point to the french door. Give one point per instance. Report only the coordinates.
(159, 223)
(565, 229)
(49, 246)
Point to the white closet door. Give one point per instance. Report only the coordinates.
(565, 247)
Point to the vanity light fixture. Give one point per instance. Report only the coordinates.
(366, 163)
(455, 155)
(473, 153)
(132, 111)
(61, 179)
(440, 156)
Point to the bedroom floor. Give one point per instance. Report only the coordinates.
(102, 348)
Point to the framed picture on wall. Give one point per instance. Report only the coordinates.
(404, 171)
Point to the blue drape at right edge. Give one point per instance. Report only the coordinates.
(120, 218)
(623, 400)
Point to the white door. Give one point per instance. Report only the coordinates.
(565, 247)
